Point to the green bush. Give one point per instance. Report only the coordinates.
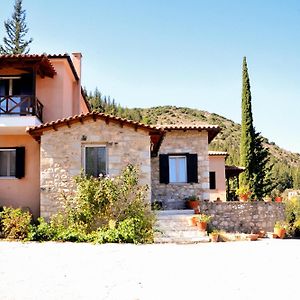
(101, 210)
(292, 212)
(15, 223)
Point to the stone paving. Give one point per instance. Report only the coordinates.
(266, 269)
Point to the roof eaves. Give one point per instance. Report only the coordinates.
(66, 56)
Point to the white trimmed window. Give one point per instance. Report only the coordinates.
(177, 169)
(7, 162)
(95, 160)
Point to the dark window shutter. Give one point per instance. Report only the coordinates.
(164, 168)
(20, 162)
(212, 180)
(192, 168)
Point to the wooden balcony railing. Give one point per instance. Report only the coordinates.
(21, 105)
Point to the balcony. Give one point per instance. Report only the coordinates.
(25, 105)
(19, 111)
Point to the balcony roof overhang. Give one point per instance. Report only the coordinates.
(38, 63)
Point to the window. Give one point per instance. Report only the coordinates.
(7, 162)
(12, 162)
(95, 160)
(178, 168)
(212, 180)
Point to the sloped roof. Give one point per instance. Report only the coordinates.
(231, 171)
(91, 115)
(40, 61)
(156, 134)
(212, 130)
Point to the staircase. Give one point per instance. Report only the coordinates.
(172, 227)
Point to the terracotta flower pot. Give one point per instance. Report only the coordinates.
(278, 199)
(202, 226)
(214, 237)
(253, 237)
(192, 221)
(280, 232)
(244, 198)
(192, 204)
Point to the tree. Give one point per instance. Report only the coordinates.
(16, 29)
(247, 144)
(262, 175)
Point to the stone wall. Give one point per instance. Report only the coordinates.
(243, 217)
(178, 141)
(62, 156)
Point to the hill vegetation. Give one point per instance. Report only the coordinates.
(286, 165)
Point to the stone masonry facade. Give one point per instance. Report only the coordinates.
(62, 156)
(173, 195)
(244, 217)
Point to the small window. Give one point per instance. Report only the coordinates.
(212, 180)
(95, 160)
(177, 169)
(7, 162)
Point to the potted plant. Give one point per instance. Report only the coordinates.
(202, 221)
(214, 235)
(192, 202)
(280, 229)
(244, 193)
(192, 221)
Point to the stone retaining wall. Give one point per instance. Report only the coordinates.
(243, 217)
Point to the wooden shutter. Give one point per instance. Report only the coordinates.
(20, 162)
(192, 168)
(164, 168)
(212, 180)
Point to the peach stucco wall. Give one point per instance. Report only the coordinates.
(60, 95)
(24, 192)
(217, 164)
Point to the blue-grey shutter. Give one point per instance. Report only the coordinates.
(164, 168)
(20, 162)
(192, 168)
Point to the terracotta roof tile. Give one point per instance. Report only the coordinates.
(217, 153)
(37, 130)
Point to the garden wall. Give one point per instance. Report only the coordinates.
(243, 217)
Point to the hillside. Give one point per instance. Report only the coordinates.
(228, 139)
(286, 165)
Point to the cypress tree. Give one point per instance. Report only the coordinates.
(16, 29)
(247, 144)
(262, 179)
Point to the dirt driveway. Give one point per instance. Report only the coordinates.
(267, 269)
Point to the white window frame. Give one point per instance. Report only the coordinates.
(177, 176)
(9, 162)
(94, 146)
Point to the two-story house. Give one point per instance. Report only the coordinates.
(34, 89)
(48, 135)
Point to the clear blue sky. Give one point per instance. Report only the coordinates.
(183, 53)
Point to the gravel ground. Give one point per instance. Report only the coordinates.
(267, 269)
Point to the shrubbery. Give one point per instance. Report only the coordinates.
(15, 223)
(101, 210)
(292, 211)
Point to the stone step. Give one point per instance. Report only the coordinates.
(173, 227)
